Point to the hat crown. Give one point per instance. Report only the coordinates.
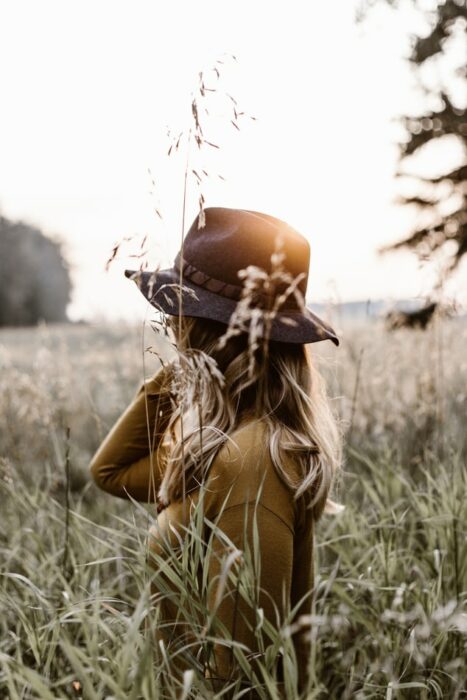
(233, 239)
(209, 264)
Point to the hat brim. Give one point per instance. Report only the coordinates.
(162, 290)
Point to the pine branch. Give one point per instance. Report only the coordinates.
(426, 240)
(457, 176)
(447, 15)
(420, 202)
(449, 120)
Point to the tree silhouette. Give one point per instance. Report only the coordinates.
(440, 200)
(34, 278)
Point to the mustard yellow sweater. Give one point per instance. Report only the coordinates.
(128, 462)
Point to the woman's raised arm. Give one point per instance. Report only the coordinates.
(126, 462)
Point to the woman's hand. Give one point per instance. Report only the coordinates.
(160, 381)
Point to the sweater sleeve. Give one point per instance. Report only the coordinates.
(126, 463)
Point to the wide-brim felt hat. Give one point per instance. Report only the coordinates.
(222, 243)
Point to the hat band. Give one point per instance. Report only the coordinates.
(225, 289)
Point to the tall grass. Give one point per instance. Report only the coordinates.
(389, 617)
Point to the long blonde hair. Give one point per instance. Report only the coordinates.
(219, 385)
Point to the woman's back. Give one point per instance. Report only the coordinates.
(247, 500)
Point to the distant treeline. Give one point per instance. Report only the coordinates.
(34, 278)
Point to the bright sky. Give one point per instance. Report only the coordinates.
(89, 88)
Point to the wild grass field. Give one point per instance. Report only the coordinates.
(389, 604)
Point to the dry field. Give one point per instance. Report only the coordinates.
(390, 619)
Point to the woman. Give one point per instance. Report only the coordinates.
(241, 422)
